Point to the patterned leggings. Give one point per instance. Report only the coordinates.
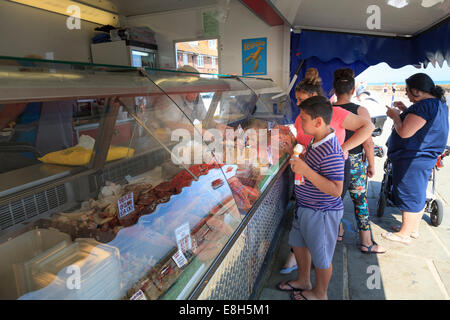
(358, 190)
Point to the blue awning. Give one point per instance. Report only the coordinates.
(328, 51)
(349, 48)
(433, 46)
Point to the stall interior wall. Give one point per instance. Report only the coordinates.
(25, 30)
(241, 23)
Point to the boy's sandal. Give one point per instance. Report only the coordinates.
(414, 235)
(369, 249)
(393, 237)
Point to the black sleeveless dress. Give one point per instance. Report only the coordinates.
(353, 108)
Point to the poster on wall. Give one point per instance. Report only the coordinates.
(254, 57)
(210, 24)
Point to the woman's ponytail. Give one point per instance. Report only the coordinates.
(311, 84)
(344, 81)
(438, 92)
(423, 82)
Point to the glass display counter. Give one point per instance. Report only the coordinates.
(124, 183)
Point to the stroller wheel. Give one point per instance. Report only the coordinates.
(381, 205)
(437, 212)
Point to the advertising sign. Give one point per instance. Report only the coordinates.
(254, 57)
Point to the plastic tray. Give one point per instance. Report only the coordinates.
(22, 249)
(99, 273)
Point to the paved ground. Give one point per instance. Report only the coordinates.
(420, 270)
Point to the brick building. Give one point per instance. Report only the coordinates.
(202, 55)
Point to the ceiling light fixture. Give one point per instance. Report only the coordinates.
(431, 3)
(87, 12)
(398, 3)
(139, 53)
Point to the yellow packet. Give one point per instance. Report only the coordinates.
(79, 156)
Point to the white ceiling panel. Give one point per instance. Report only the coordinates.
(352, 15)
(140, 7)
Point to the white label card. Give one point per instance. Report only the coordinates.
(179, 259)
(125, 205)
(139, 296)
(183, 236)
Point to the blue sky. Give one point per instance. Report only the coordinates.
(382, 73)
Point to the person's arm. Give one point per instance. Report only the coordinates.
(368, 145)
(10, 113)
(363, 130)
(408, 127)
(330, 187)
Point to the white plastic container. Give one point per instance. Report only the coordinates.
(85, 270)
(21, 249)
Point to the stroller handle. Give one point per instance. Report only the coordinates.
(446, 152)
(440, 160)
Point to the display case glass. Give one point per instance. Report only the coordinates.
(124, 188)
(273, 104)
(247, 115)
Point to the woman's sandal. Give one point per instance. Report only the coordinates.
(287, 283)
(414, 235)
(288, 269)
(340, 236)
(369, 249)
(293, 297)
(396, 238)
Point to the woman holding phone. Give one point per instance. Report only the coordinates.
(418, 138)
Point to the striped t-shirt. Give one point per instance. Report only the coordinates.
(327, 159)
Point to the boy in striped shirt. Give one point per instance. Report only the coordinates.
(316, 223)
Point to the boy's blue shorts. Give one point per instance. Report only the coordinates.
(318, 231)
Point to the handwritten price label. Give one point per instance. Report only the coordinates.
(179, 259)
(139, 296)
(125, 205)
(183, 236)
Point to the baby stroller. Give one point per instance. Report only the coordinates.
(378, 121)
(433, 205)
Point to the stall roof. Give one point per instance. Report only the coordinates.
(397, 17)
(352, 16)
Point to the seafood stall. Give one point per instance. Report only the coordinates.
(126, 183)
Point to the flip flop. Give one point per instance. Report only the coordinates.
(369, 249)
(393, 237)
(414, 235)
(293, 297)
(289, 285)
(288, 270)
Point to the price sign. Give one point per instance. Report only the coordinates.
(125, 205)
(183, 236)
(139, 296)
(179, 259)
